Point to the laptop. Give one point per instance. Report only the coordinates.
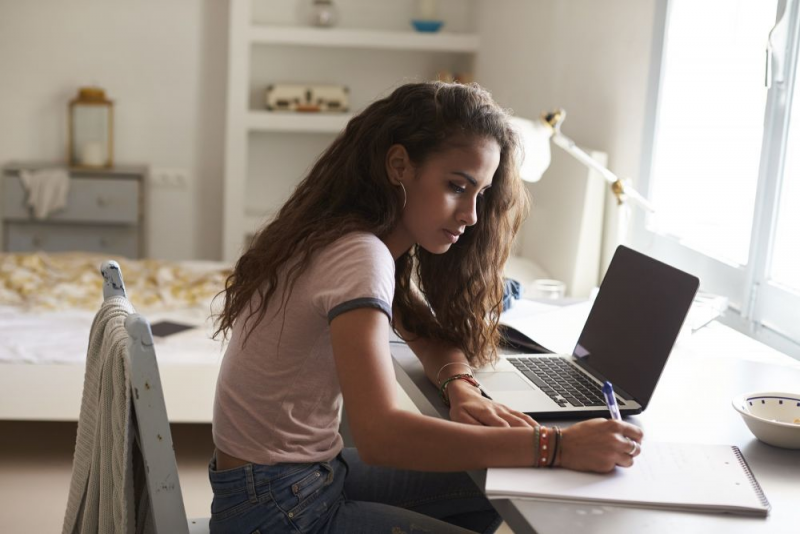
(627, 339)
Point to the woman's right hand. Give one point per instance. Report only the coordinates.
(599, 445)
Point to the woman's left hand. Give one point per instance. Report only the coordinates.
(467, 405)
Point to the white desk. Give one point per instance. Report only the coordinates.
(711, 367)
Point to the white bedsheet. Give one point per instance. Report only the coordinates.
(63, 337)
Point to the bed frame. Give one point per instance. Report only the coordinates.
(52, 392)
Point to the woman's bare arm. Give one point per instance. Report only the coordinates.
(387, 435)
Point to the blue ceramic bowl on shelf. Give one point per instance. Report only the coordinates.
(427, 26)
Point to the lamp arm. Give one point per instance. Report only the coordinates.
(619, 187)
(576, 152)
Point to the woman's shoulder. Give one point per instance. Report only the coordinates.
(354, 266)
(360, 245)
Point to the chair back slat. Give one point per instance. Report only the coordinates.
(155, 438)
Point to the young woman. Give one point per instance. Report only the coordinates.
(404, 223)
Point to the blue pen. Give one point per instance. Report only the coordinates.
(611, 401)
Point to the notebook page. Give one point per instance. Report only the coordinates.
(557, 328)
(676, 474)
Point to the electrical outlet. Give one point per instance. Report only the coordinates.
(170, 178)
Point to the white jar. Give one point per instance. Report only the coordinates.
(324, 14)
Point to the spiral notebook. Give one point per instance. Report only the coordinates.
(667, 476)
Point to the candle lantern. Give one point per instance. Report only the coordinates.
(91, 129)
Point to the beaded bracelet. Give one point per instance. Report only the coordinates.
(543, 452)
(546, 444)
(443, 389)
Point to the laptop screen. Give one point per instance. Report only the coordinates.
(635, 321)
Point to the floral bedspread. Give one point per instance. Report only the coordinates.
(50, 281)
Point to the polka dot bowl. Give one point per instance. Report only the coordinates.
(773, 417)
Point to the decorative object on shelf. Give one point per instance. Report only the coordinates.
(324, 14)
(427, 17)
(91, 129)
(307, 98)
(458, 77)
(427, 26)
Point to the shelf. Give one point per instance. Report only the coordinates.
(267, 152)
(271, 121)
(354, 38)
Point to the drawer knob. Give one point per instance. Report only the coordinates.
(103, 201)
(37, 241)
(104, 242)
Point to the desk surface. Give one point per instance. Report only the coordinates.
(712, 366)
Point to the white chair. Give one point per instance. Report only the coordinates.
(168, 515)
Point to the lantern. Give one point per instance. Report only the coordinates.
(91, 129)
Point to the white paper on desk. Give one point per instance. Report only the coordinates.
(675, 476)
(556, 328)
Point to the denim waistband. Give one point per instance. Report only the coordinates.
(254, 475)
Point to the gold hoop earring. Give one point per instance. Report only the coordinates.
(405, 197)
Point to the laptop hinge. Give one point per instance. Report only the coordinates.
(580, 362)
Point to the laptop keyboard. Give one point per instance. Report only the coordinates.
(561, 381)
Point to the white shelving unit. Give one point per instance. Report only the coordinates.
(357, 38)
(267, 153)
(265, 121)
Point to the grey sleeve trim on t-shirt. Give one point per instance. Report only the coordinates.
(360, 303)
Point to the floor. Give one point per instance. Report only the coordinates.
(36, 464)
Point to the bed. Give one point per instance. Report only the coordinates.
(48, 301)
(47, 304)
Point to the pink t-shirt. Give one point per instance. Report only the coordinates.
(278, 398)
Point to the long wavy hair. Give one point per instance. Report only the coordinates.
(348, 189)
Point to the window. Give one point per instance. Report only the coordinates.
(723, 164)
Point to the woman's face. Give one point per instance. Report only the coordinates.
(442, 194)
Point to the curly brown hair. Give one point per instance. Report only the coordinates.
(348, 190)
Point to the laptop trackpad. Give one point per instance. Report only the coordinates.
(503, 382)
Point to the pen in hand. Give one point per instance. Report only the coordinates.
(611, 401)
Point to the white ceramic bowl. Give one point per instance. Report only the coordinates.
(773, 417)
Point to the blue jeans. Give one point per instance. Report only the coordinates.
(345, 496)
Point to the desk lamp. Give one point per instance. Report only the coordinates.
(535, 137)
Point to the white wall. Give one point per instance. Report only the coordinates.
(590, 57)
(164, 65)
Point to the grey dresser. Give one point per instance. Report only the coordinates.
(104, 213)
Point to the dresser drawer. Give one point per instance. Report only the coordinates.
(106, 200)
(31, 237)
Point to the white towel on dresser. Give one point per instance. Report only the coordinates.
(103, 495)
(47, 190)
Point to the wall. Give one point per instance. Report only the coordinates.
(588, 57)
(164, 65)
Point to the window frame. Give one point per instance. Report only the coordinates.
(759, 306)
